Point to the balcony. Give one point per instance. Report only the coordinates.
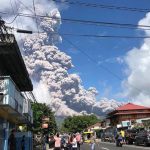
(11, 100)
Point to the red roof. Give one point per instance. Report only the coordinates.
(131, 106)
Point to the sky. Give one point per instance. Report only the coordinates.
(117, 67)
(109, 72)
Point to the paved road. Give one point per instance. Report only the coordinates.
(111, 146)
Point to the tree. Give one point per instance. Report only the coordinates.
(78, 123)
(39, 111)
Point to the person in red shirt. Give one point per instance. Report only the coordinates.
(78, 138)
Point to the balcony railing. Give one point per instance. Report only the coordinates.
(10, 94)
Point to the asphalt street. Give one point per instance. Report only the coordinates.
(111, 146)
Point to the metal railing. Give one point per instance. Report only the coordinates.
(10, 95)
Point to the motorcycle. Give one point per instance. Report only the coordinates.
(119, 142)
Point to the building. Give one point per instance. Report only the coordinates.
(128, 114)
(96, 126)
(15, 108)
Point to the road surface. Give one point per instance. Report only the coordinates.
(111, 146)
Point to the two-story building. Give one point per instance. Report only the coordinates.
(128, 113)
(15, 109)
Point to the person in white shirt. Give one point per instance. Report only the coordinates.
(57, 142)
(74, 143)
(92, 142)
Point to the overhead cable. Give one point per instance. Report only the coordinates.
(97, 23)
(13, 19)
(104, 6)
(35, 15)
(91, 22)
(105, 36)
(25, 6)
(99, 66)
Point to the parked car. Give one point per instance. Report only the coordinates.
(130, 135)
(143, 138)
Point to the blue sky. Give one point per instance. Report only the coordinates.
(104, 51)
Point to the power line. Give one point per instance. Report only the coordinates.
(103, 24)
(112, 24)
(100, 66)
(12, 20)
(25, 6)
(90, 22)
(100, 36)
(104, 36)
(35, 15)
(87, 21)
(104, 6)
(91, 58)
(17, 13)
(14, 13)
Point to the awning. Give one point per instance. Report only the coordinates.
(8, 113)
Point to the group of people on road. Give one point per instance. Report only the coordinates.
(71, 143)
(63, 141)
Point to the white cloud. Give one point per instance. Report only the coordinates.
(137, 84)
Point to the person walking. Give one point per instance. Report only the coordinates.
(57, 142)
(92, 142)
(70, 140)
(78, 138)
(12, 140)
(74, 143)
(43, 142)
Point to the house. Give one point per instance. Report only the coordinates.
(96, 126)
(128, 114)
(15, 108)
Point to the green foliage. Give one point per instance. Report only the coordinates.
(78, 123)
(39, 111)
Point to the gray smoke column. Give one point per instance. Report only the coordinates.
(47, 65)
